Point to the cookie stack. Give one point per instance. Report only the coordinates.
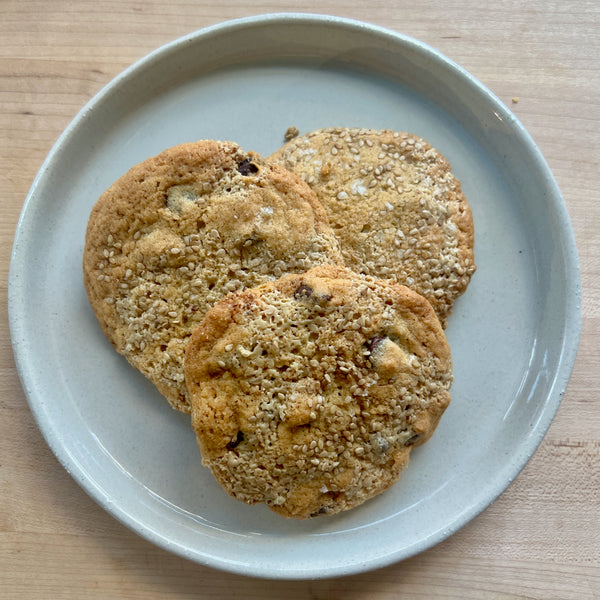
(294, 306)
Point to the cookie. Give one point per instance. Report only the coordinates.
(181, 230)
(308, 393)
(395, 205)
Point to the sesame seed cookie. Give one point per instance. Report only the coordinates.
(181, 230)
(308, 393)
(395, 205)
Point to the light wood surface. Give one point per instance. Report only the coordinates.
(541, 538)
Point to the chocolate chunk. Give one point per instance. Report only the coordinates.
(372, 344)
(239, 438)
(303, 291)
(246, 167)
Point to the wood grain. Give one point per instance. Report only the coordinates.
(541, 538)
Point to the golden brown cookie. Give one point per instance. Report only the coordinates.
(395, 205)
(178, 232)
(309, 392)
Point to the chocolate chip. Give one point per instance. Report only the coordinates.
(303, 291)
(372, 344)
(239, 438)
(246, 167)
(412, 440)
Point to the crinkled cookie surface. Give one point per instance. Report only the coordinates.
(394, 203)
(309, 392)
(181, 230)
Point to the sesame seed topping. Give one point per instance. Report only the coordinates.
(312, 405)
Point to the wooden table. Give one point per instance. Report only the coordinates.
(541, 538)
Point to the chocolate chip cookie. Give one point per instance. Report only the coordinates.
(308, 393)
(395, 205)
(181, 230)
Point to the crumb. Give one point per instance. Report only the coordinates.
(291, 133)
(515, 100)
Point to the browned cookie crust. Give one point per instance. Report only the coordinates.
(395, 205)
(182, 229)
(309, 392)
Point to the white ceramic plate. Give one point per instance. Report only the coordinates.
(513, 334)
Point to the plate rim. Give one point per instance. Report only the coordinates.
(572, 324)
